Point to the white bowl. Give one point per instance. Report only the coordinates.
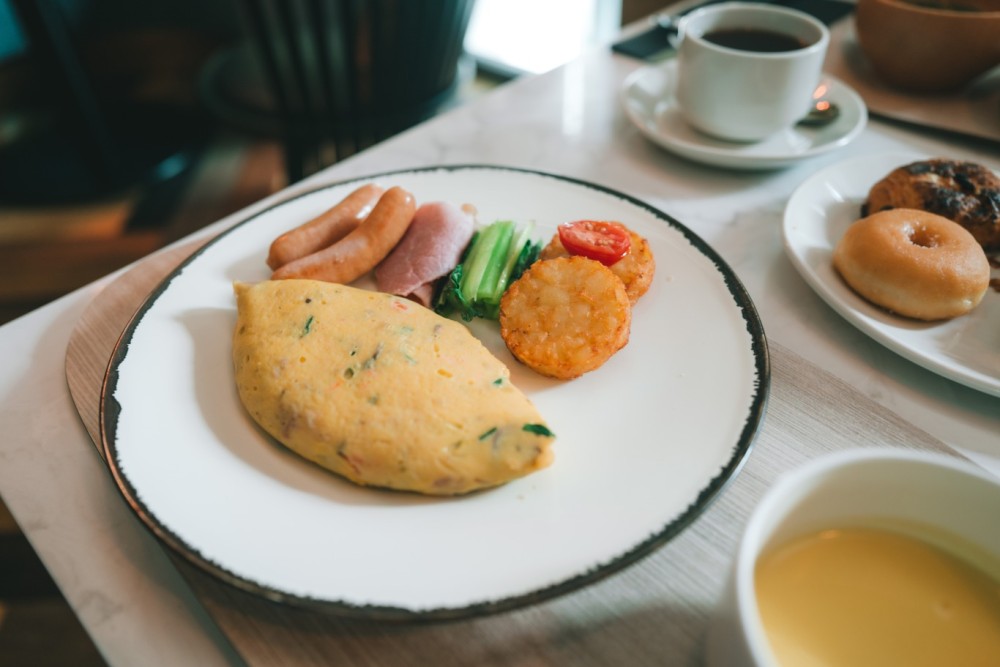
(863, 487)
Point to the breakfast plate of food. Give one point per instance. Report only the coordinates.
(552, 382)
(904, 246)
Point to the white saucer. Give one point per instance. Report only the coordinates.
(648, 99)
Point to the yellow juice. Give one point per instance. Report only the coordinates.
(860, 596)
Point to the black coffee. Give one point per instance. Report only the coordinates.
(754, 39)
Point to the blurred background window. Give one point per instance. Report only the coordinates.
(513, 37)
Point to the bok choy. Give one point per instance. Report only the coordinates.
(496, 256)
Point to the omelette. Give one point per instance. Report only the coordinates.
(381, 390)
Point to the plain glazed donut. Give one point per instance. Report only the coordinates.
(913, 263)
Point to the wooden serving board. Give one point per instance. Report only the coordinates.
(655, 612)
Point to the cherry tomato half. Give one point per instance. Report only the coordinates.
(607, 242)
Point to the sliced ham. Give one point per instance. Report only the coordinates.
(430, 249)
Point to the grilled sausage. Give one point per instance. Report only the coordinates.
(325, 229)
(360, 251)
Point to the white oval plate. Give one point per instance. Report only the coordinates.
(818, 213)
(643, 443)
(649, 103)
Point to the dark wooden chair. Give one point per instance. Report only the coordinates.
(331, 77)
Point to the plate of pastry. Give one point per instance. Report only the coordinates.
(346, 450)
(923, 287)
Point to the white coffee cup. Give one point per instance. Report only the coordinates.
(746, 95)
(927, 494)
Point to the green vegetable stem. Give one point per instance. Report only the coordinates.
(496, 256)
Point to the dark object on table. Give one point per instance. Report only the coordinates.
(653, 44)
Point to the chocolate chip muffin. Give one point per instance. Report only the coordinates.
(965, 192)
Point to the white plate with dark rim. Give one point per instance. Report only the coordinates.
(649, 103)
(643, 444)
(963, 349)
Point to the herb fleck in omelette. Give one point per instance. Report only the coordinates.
(381, 390)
